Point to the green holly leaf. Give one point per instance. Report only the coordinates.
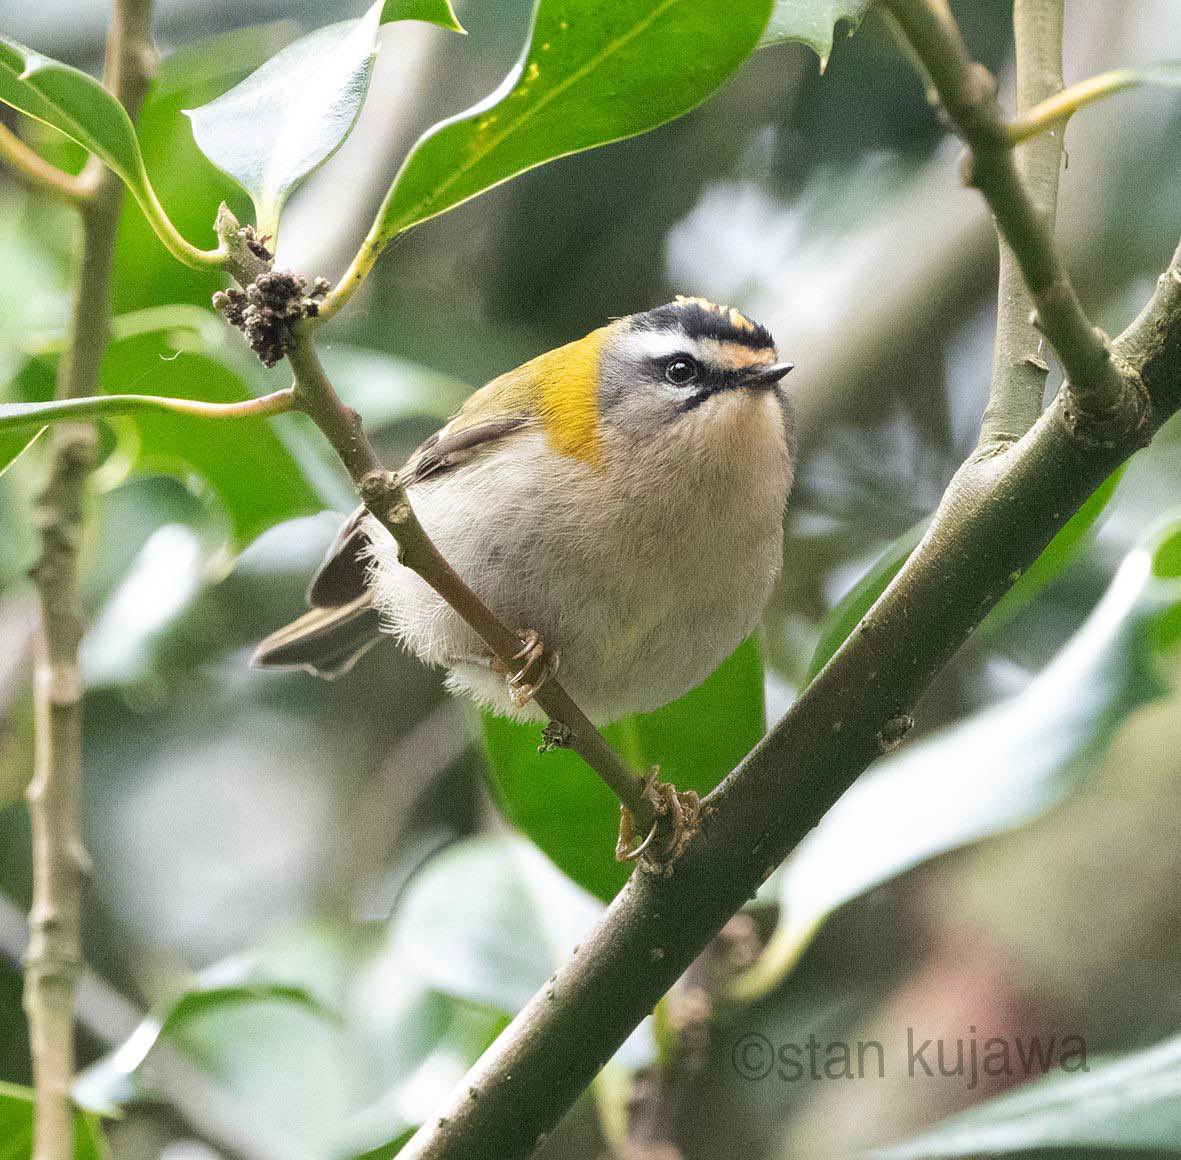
(75, 104)
(1125, 1104)
(14, 444)
(16, 1128)
(437, 12)
(591, 74)
(289, 116)
(840, 622)
(116, 1079)
(259, 472)
(992, 772)
(811, 22)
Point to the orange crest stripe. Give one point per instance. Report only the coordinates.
(736, 318)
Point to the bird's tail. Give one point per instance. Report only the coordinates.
(325, 641)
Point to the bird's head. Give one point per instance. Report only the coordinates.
(689, 367)
(688, 358)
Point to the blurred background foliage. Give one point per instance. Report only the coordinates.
(306, 888)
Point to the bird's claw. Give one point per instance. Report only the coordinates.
(677, 815)
(532, 655)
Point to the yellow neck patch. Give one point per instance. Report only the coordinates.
(567, 384)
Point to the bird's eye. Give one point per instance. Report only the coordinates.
(681, 370)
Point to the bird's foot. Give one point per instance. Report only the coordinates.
(677, 814)
(536, 667)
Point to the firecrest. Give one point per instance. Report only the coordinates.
(619, 500)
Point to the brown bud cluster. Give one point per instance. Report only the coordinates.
(268, 309)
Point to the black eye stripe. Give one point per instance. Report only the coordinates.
(694, 400)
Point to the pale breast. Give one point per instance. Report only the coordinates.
(643, 574)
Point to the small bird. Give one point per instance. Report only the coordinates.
(619, 501)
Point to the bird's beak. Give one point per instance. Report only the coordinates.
(766, 376)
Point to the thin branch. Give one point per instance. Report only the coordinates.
(359, 269)
(386, 498)
(17, 415)
(53, 960)
(1059, 108)
(1019, 366)
(998, 514)
(1106, 403)
(170, 237)
(38, 173)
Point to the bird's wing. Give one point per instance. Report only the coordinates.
(456, 444)
(501, 408)
(491, 414)
(340, 579)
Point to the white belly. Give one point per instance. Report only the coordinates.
(642, 593)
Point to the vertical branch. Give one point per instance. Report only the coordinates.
(1019, 369)
(59, 860)
(1101, 401)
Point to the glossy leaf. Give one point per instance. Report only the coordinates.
(574, 817)
(260, 472)
(73, 103)
(116, 1079)
(16, 1128)
(385, 389)
(811, 22)
(484, 924)
(844, 617)
(489, 920)
(15, 443)
(287, 118)
(590, 74)
(1127, 1103)
(437, 12)
(414, 1043)
(1060, 551)
(992, 772)
(192, 188)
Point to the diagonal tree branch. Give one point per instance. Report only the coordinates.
(997, 515)
(53, 960)
(999, 512)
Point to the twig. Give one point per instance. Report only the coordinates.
(59, 861)
(15, 415)
(38, 173)
(1061, 106)
(1019, 367)
(385, 497)
(1106, 403)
